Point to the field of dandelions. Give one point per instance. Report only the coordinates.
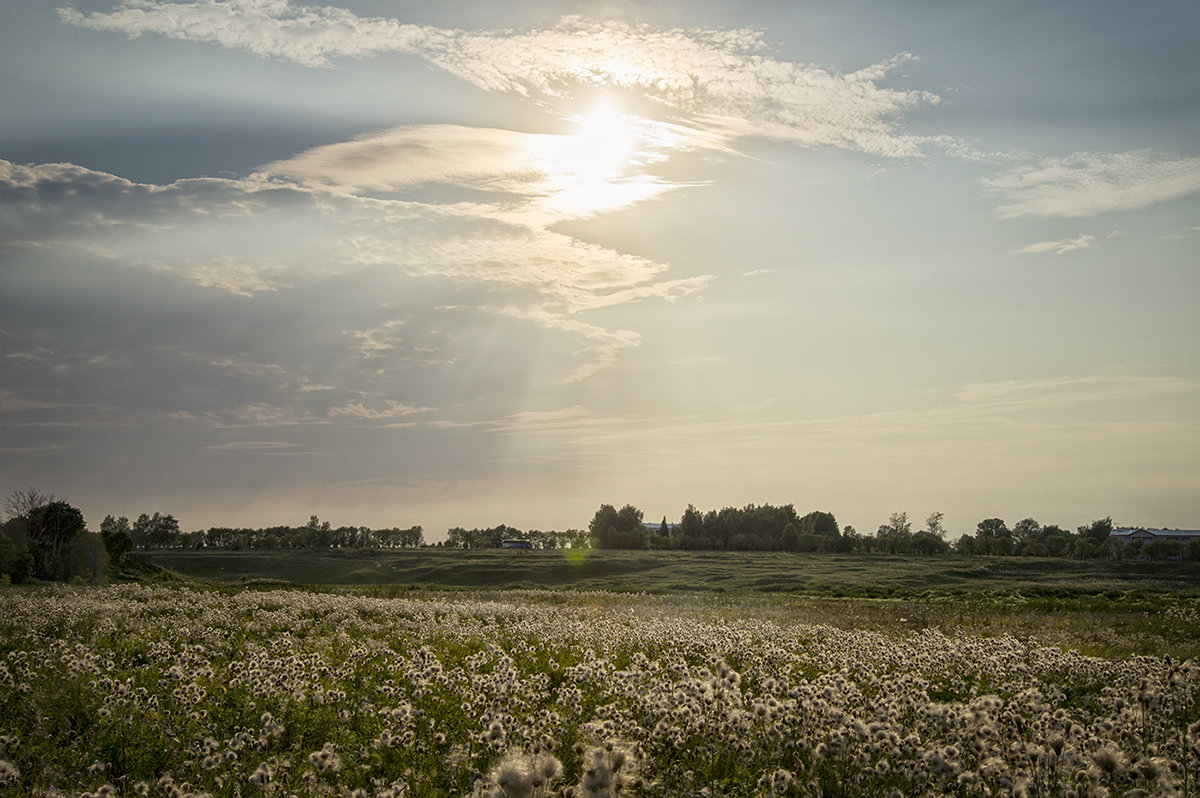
(169, 691)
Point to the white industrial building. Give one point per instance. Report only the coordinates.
(1130, 535)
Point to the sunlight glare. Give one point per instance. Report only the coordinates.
(594, 168)
(604, 143)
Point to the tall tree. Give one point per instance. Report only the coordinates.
(895, 537)
(156, 531)
(1027, 536)
(993, 536)
(51, 528)
(1097, 531)
(617, 529)
(118, 538)
(20, 503)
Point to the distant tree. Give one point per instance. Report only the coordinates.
(852, 541)
(568, 539)
(617, 529)
(1097, 531)
(809, 542)
(1084, 549)
(1055, 540)
(819, 523)
(51, 529)
(993, 536)
(318, 533)
(1026, 536)
(86, 557)
(20, 503)
(156, 531)
(928, 543)
(1163, 550)
(967, 545)
(16, 562)
(117, 536)
(689, 530)
(895, 537)
(413, 537)
(664, 530)
(933, 525)
(790, 539)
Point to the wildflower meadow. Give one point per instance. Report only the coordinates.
(171, 691)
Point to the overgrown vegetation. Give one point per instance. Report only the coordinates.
(134, 690)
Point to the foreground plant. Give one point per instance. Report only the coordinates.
(134, 690)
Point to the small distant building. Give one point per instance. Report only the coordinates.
(1131, 535)
(516, 544)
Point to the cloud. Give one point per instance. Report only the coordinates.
(30, 449)
(724, 80)
(1082, 241)
(253, 446)
(389, 409)
(1192, 231)
(1088, 184)
(267, 303)
(600, 346)
(1026, 395)
(203, 231)
(266, 28)
(541, 178)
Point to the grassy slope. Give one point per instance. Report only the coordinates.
(1105, 608)
(655, 571)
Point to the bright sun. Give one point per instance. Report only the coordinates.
(596, 167)
(603, 143)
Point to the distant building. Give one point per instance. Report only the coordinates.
(516, 544)
(656, 527)
(1131, 535)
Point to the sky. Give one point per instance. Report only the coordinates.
(463, 264)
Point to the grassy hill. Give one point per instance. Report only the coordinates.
(659, 571)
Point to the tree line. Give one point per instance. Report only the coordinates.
(769, 528)
(44, 537)
(162, 532)
(494, 537)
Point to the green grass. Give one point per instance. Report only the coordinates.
(876, 576)
(1110, 609)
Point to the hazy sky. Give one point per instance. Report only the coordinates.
(397, 262)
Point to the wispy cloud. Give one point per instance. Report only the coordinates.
(266, 28)
(1187, 232)
(423, 307)
(546, 177)
(253, 446)
(600, 347)
(1088, 184)
(386, 410)
(726, 79)
(197, 235)
(31, 449)
(1082, 241)
(1025, 395)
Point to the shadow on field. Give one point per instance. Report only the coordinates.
(879, 576)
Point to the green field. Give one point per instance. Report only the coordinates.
(1105, 608)
(856, 575)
